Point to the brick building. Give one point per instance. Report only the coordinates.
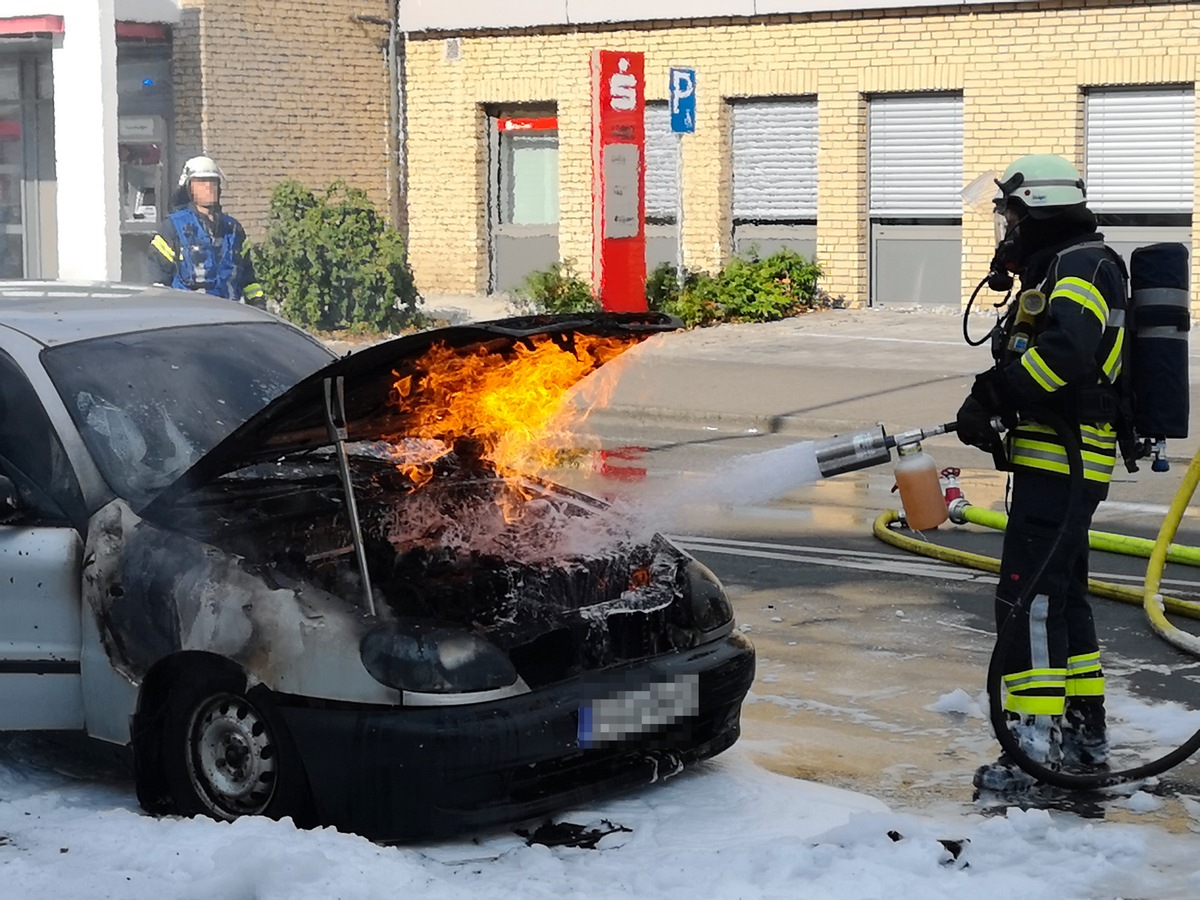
(845, 129)
(101, 101)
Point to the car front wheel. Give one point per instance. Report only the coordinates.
(226, 755)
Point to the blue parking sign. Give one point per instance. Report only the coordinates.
(683, 100)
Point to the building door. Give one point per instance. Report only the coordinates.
(775, 176)
(28, 247)
(523, 196)
(1139, 164)
(914, 150)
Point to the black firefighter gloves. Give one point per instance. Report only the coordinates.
(990, 399)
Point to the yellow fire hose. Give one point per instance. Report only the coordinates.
(1159, 552)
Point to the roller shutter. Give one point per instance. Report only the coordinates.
(1140, 150)
(661, 164)
(775, 160)
(915, 153)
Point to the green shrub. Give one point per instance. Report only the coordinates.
(662, 286)
(332, 262)
(556, 289)
(749, 289)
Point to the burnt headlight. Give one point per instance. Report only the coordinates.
(431, 658)
(711, 609)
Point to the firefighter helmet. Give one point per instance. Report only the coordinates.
(1043, 183)
(201, 167)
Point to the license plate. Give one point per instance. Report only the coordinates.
(624, 714)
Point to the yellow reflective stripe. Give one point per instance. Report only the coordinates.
(1092, 686)
(1085, 294)
(1025, 705)
(1112, 365)
(1102, 436)
(1035, 706)
(1053, 458)
(253, 291)
(1032, 679)
(1085, 662)
(1027, 684)
(160, 244)
(1051, 685)
(1097, 434)
(1033, 363)
(1056, 450)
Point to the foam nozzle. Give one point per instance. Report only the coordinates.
(850, 452)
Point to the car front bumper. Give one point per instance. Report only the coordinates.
(422, 772)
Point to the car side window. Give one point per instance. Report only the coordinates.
(32, 456)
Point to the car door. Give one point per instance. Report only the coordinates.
(40, 559)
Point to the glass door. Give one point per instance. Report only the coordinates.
(12, 172)
(27, 242)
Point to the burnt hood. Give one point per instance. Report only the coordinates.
(295, 421)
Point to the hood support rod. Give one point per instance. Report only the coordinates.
(335, 419)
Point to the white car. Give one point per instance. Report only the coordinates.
(210, 555)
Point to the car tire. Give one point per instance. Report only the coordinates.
(226, 754)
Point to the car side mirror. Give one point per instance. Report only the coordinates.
(10, 502)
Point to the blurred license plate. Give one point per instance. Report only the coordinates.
(621, 715)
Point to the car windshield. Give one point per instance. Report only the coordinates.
(149, 405)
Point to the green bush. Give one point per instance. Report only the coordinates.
(332, 262)
(750, 289)
(556, 289)
(662, 286)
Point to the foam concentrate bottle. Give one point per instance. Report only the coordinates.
(917, 478)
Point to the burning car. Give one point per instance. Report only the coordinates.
(294, 584)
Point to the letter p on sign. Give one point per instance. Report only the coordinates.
(683, 100)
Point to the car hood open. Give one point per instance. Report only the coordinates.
(295, 421)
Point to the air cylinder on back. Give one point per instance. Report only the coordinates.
(1160, 319)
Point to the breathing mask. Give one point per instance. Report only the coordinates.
(977, 195)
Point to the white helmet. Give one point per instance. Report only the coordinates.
(200, 167)
(1044, 183)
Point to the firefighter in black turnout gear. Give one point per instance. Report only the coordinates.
(1061, 356)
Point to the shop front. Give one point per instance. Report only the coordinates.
(86, 119)
(27, 182)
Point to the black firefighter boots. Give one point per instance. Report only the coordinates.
(1084, 735)
(1040, 738)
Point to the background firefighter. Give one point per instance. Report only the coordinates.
(200, 247)
(1054, 683)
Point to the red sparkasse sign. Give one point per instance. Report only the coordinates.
(619, 179)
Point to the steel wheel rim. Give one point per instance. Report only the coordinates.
(232, 758)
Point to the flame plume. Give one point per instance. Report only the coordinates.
(512, 409)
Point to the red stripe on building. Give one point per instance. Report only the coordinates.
(547, 123)
(10, 130)
(13, 25)
(145, 31)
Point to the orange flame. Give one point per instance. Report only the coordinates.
(512, 409)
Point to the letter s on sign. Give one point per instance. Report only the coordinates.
(622, 88)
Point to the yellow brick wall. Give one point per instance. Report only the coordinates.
(276, 89)
(1020, 67)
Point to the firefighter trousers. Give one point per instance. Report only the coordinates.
(1054, 653)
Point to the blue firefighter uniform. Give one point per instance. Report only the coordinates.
(194, 253)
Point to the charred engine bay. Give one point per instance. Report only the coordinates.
(542, 571)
